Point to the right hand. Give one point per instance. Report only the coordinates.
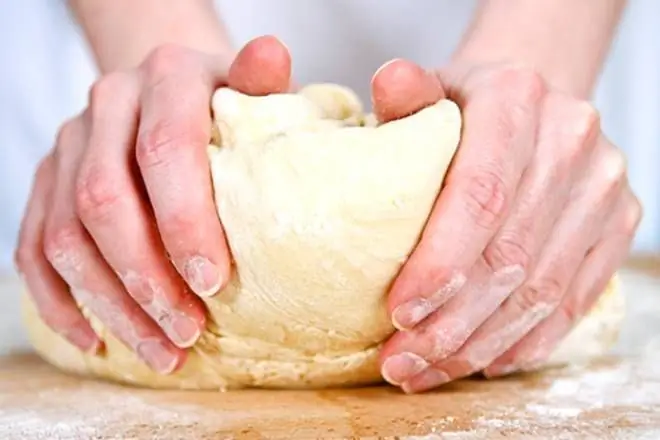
(121, 218)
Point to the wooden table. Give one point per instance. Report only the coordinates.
(648, 264)
(613, 397)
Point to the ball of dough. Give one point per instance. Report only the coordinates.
(321, 207)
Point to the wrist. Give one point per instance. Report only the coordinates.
(566, 42)
(577, 82)
(122, 33)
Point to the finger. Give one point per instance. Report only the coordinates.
(567, 138)
(400, 88)
(497, 146)
(262, 67)
(516, 316)
(49, 292)
(112, 207)
(563, 150)
(543, 291)
(487, 286)
(408, 353)
(73, 255)
(590, 282)
(174, 131)
(596, 198)
(545, 187)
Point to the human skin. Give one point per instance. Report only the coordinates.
(121, 218)
(127, 183)
(536, 213)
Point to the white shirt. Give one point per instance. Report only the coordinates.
(45, 71)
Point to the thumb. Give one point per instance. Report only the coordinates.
(262, 67)
(400, 88)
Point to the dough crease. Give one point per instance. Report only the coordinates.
(321, 206)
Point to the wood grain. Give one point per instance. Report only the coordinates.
(645, 263)
(614, 397)
(611, 397)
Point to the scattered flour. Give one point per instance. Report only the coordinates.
(579, 402)
(598, 402)
(83, 413)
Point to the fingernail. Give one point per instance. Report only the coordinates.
(185, 331)
(400, 367)
(158, 356)
(500, 370)
(202, 276)
(383, 66)
(430, 378)
(409, 314)
(86, 341)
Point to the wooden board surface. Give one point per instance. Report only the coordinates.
(611, 397)
(615, 397)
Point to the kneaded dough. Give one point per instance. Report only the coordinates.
(321, 207)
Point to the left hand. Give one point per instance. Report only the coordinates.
(535, 216)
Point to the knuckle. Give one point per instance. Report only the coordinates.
(486, 198)
(540, 293)
(24, 256)
(163, 60)
(96, 193)
(523, 83)
(60, 241)
(157, 145)
(613, 168)
(508, 251)
(44, 171)
(108, 87)
(578, 129)
(67, 134)
(634, 215)
(586, 122)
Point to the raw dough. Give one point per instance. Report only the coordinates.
(321, 207)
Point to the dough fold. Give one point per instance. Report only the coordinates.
(321, 207)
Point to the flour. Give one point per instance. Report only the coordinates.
(482, 350)
(194, 270)
(109, 312)
(414, 311)
(588, 400)
(68, 264)
(544, 410)
(606, 401)
(618, 400)
(623, 384)
(84, 412)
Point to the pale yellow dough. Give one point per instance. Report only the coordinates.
(321, 207)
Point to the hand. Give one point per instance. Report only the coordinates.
(535, 216)
(121, 218)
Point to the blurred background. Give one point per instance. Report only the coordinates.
(45, 71)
